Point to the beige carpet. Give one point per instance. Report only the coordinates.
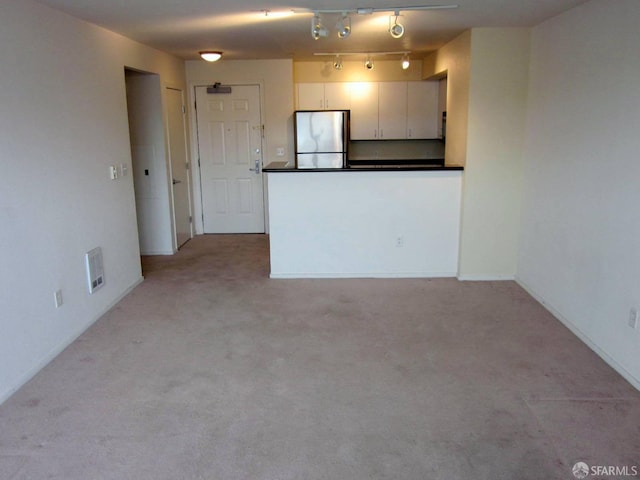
(210, 370)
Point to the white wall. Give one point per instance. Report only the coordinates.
(454, 61)
(486, 71)
(493, 168)
(580, 237)
(275, 78)
(63, 121)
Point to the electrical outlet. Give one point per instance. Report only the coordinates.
(280, 151)
(633, 318)
(57, 296)
(123, 169)
(400, 242)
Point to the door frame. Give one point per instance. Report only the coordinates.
(187, 155)
(198, 212)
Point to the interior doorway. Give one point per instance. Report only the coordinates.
(149, 165)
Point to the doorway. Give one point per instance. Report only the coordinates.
(160, 211)
(229, 126)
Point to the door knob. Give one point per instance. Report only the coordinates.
(257, 167)
(176, 181)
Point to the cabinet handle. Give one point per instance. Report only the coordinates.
(381, 133)
(321, 104)
(410, 133)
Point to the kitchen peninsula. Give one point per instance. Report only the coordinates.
(376, 220)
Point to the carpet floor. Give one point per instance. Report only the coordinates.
(211, 370)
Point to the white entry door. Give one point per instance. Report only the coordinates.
(230, 143)
(179, 166)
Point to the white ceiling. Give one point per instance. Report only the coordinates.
(241, 31)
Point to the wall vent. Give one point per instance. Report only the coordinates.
(95, 269)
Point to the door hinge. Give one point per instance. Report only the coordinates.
(190, 219)
(186, 165)
(195, 106)
(184, 110)
(198, 163)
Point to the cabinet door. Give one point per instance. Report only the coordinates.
(337, 96)
(364, 111)
(392, 110)
(422, 109)
(310, 96)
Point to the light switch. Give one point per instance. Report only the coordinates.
(113, 172)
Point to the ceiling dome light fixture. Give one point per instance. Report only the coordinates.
(344, 26)
(210, 56)
(405, 61)
(317, 29)
(395, 29)
(368, 63)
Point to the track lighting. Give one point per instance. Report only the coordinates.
(211, 56)
(395, 29)
(368, 63)
(344, 23)
(317, 29)
(344, 26)
(405, 61)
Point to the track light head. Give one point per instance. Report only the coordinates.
(395, 29)
(368, 63)
(344, 26)
(317, 29)
(405, 61)
(337, 63)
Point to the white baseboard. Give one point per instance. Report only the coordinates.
(363, 275)
(484, 278)
(54, 352)
(612, 362)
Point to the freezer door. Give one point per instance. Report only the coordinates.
(320, 131)
(320, 160)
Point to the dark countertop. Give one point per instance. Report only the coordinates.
(370, 166)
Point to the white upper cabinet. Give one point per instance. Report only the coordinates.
(324, 96)
(392, 110)
(422, 110)
(337, 96)
(364, 111)
(310, 96)
(379, 110)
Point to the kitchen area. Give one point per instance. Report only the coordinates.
(373, 195)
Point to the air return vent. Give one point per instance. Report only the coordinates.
(95, 269)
